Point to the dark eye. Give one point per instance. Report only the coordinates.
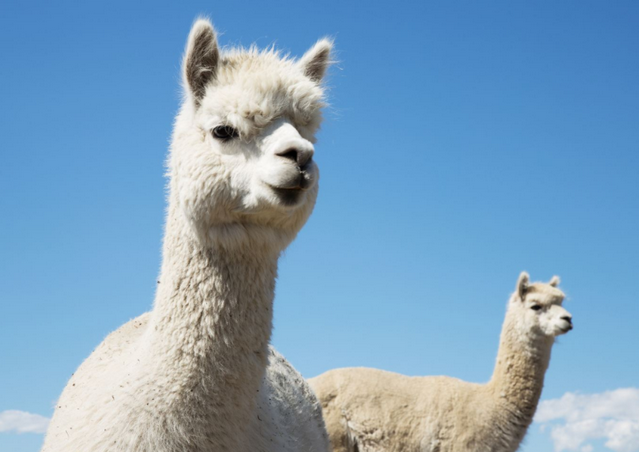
(535, 307)
(225, 133)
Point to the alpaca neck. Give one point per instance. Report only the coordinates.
(518, 377)
(210, 326)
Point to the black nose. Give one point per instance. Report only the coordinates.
(567, 318)
(299, 156)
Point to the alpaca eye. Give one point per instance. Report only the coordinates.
(225, 133)
(535, 307)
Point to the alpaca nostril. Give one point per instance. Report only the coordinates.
(291, 154)
(300, 156)
(567, 318)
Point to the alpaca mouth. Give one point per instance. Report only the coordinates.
(302, 182)
(288, 196)
(290, 191)
(566, 329)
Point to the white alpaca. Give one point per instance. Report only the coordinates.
(369, 410)
(196, 374)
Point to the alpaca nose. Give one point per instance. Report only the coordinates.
(567, 318)
(300, 155)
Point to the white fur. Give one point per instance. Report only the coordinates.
(368, 410)
(196, 373)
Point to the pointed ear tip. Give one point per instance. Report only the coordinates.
(321, 49)
(201, 24)
(202, 21)
(326, 43)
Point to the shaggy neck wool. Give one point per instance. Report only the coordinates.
(210, 328)
(518, 378)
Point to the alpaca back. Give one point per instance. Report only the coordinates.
(371, 410)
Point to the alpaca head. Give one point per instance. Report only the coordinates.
(537, 307)
(241, 161)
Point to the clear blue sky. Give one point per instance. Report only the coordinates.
(465, 142)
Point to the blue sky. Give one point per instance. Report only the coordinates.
(465, 142)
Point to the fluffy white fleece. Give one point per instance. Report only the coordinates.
(196, 373)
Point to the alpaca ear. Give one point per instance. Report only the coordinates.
(200, 59)
(317, 59)
(554, 281)
(522, 285)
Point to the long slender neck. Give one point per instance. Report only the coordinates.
(211, 323)
(221, 298)
(518, 377)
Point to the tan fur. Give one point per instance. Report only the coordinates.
(369, 410)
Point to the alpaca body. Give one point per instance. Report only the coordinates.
(141, 392)
(196, 374)
(369, 410)
(387, 412)
(286, 416)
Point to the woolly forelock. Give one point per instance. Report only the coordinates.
(544, 294)
(253, 87)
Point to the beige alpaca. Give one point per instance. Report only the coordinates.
(370, 410)
(196, 374)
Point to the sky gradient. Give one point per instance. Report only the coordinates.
(465, 142)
